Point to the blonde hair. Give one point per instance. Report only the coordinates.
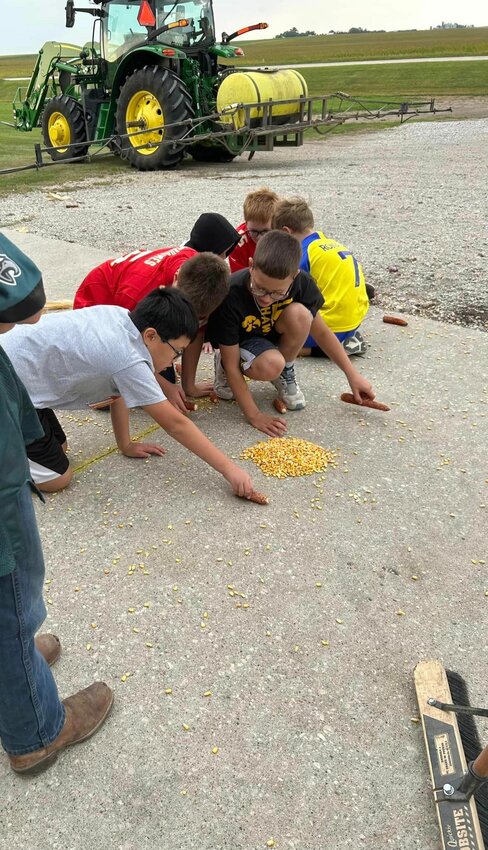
(294, 213)
(259, 206)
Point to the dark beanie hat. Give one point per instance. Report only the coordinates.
(21, 289)
(212, 232)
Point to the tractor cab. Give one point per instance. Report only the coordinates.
(187, 26)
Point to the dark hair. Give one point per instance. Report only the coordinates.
(278, 255)
(168, 312)
(205, 280)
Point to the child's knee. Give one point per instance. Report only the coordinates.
(56, 484)
(267, 366)
(295, 316)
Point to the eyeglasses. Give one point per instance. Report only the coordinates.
(256, 234)
(177, 351)
(265, 293)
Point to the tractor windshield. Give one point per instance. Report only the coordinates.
(123, 32)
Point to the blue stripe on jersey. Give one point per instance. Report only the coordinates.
(305, 262)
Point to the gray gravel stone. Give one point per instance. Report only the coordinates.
(411, 198)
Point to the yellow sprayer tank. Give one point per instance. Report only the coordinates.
(259, 87)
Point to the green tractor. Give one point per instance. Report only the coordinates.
(153, 84)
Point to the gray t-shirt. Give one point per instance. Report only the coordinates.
(72, 359)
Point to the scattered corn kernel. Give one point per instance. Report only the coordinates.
(400, 612)
(284, 457)
(207, 694)
(185, 727)
(168, 691)
(215, 750)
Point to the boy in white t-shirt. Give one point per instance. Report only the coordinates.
(78, 359)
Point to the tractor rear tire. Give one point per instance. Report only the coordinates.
(211, 153)
(63, 124)
(153, 97)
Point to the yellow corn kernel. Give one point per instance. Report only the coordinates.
(284, 457)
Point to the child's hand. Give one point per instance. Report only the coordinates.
(271, 425)
(207, 348)
(176, 397)
(239, 480)
(143, 450)
(200, 390)
(360, 387)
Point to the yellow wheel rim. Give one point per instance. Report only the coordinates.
(145, 109)
(59, 131)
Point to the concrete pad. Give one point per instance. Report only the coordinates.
(383, 557)
(61, 279)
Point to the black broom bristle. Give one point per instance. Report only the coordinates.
(471, 744)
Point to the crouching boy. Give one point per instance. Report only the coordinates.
(337, 273)
(261, 326)
(105, 354)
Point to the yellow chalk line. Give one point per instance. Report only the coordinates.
(102, 455)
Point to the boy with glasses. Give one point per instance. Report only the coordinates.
(261, 326)
(197, 268)
(259, 207)
(106, 355)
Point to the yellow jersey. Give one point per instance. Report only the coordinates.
(340, 279)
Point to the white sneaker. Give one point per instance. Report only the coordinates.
(288, 389)
(221, 387)
(354, 345)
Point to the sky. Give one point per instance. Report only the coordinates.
(29, 23)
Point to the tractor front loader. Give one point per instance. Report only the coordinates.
(153, 84)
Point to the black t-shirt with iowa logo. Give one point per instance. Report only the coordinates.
(238, 318)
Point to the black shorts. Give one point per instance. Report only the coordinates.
(47, 459)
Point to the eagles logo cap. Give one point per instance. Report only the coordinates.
(21, 289)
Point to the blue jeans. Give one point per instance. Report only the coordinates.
(31, 713)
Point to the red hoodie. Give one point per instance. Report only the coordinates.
(128, 279)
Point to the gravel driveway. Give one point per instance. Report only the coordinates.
(409, 201)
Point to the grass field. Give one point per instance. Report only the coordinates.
(396, 81)
(381, 45)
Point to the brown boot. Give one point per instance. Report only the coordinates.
(49, 646)
(85, 713)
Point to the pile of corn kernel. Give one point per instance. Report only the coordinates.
(285, 457)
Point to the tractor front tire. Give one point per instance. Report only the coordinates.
(150, 99)
(63, 124)
(211, 153)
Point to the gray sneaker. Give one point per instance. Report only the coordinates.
(221, 387)
(288, 389)
(355, 345)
